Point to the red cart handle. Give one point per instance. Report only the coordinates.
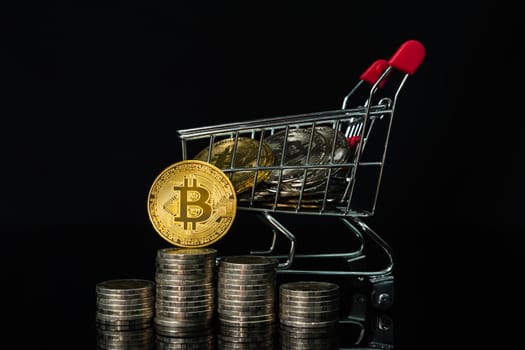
(408, 57)
(374, 72)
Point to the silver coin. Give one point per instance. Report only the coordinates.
(163, 279)
(245, 322)
(105, 301)
(165, 283)
(175, 296)
(308, 317)
(254, 302)
(123, 308)
(123, 325)
(248, 262)
(187, 309)
(246, 275)
(190, 296)
(338, 147)
(270, 279)
(259, 289)
(297, 148)
(253, 295)
(243, 299)
(125, 287)
(300, 332)
(308, 302)
(308, 299)
(161, 321)
(186, 253)
(176, 303)
(208, 300)
(308, 288)
(308, 324)
(309, 306)
(247, 309)
(235, 284)
(185, 269)
(118, 316)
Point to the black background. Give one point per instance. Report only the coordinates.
(94, 92)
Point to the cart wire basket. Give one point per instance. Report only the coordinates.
(327, 163)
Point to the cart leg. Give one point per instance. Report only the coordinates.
(354, 224)
(277, 226)
(359, 225)
(272, 246)
(349, 256)
(360, 229)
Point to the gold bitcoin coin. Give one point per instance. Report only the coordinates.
(245, 157)
(192, 203)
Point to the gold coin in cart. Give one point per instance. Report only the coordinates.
(246, 154)
(192, 203)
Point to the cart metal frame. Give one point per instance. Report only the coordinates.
(384, 79)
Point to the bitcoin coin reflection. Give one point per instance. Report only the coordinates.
(192, 203)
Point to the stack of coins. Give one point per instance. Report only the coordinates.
(125, 308)
(246, 314)
(185, 300)
(309, 315)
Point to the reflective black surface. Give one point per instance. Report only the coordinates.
(93, 92)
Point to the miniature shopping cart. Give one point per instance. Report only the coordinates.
(328, 163)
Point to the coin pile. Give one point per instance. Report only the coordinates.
(300, 147)
(246, 298)
(249, 153)
(309, 315)
(307, 159)
(125, 308)
(185, 299)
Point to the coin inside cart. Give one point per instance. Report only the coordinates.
(241, 152)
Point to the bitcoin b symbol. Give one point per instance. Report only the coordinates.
(193, 206)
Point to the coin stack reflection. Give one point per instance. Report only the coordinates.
(185, 299)
(246, 288)
(125, 308)
(309, 315)
(201, 342)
